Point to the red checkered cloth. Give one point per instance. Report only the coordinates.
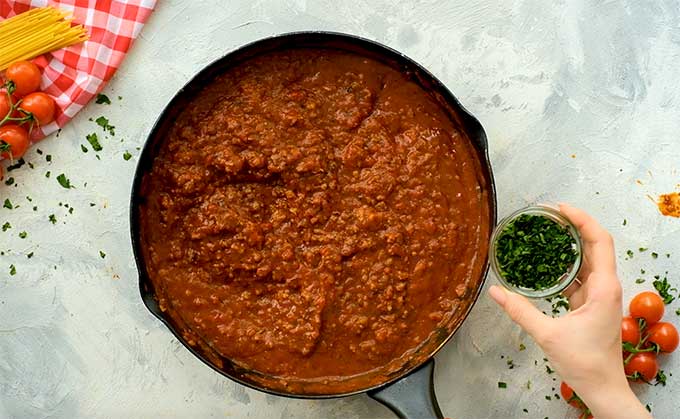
(74, 75)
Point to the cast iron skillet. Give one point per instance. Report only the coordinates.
(409, 392)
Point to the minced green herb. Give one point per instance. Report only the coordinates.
(12, 270)
(639, 280)
(655, 255)
(102, 254)
(502, 385)
(104, 123)
(102, 99)
(127, 156)
(64, 181)
(534, 252)
(94, 141)
(6, 226)
(23, 235)
(663, 288)
(8, 204)
(52, 218)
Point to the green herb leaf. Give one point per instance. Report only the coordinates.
(94, 141)
(104, 123)
(502, 385)
(23, 235)
(655, 255)
(639, 281)
(127, 156)
(6, 226)
(52, 218)
(663, 288)
(83, 148)
(12, 270)
(660, 378)
(629, 253)
(64, 182)
(522, 347)
(30, 255)
(102, 254)
(8, 204)
(625, 221)
(102, 99)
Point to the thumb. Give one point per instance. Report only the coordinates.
(521, 311)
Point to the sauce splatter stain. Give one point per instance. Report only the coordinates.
(669, 204)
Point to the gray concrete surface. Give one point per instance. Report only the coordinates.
(580, 100)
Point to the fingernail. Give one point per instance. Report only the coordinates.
(498, 294)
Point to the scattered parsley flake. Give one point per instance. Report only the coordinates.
(102, 254)
(94, 141)
(48, 157)
(9, 181)
(8, 204)
(127, 156)
(655, 255)
(16, 165)
(639, 281)
(522, 347)
(629, 253)
(548, 398)
(660, 378)
(642, 249)
(64, 181)
(664, 288)
(83, 148)
(625, 221)
(6, 226)
(104, 123)
(102, 99)
(47, 174)
(502, 385)
(52, 218)
(649, 408)
(12, 270)
(39, 151)
(549, 370)
(30, 255)
(23, 235)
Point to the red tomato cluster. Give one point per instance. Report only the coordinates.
(21, 106)
(643, 337)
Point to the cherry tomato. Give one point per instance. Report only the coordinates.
(664, 335)
(17, 138)
(25, 75)
(647, 305)
(645, 364)
(630, 330)
(40, 105)
(4, 104)
(569, 396)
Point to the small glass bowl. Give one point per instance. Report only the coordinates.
(566, 279)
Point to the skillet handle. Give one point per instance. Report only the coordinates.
(413, 396)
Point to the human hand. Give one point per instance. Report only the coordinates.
(584, 345)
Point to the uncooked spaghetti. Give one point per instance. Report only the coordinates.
(37, 32)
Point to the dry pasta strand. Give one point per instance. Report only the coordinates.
(36, 32)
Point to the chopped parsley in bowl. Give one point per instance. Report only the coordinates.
(536, 252)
